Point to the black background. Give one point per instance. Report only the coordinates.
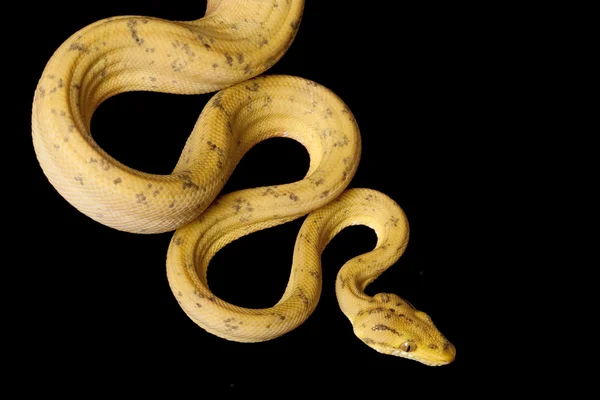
(104, 297)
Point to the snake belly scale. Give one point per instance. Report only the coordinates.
(226, 52)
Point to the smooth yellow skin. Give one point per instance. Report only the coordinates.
(226, 50)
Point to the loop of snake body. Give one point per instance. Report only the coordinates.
(226, 51)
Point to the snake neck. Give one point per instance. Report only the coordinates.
(388, 221)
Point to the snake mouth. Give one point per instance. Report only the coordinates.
(435, 360)
(443, 359)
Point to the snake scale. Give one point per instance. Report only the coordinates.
(226, 52)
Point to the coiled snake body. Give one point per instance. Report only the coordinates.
(226, 51)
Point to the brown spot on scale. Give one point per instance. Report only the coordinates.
(294, 197)
(178, 65)
(211, 145)
(382, 327)
(270, 61)
(302, 296)
(79, 47)
(131, 24)
(117, 181)
(105, 165)
(433, 346)
(324, 194)
(253, 87)
(393, 221)
(228, 59)
(141, 199)
(178, 241)
(408, 319)
(295, 24)
(216, 101)
(187, 183)
(342, 143)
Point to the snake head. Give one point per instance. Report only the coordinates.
(393, 326)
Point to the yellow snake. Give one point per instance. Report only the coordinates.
(226, 51)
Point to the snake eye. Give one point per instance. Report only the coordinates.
(408, 347)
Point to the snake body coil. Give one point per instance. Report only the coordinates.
(225, 51)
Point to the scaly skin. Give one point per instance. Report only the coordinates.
(384, 322)
(225, 51)
(234, 42)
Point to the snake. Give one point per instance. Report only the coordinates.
(226, 52)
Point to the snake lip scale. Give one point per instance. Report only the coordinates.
(227, 51)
